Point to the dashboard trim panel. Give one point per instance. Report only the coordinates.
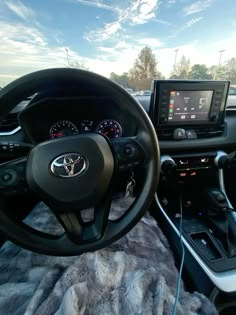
(10, 133)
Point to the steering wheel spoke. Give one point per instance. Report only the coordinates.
(101, 214)
(12, 177)
(79, 231)
(129, 152)
(72, 224)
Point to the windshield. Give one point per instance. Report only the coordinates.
(131, 42)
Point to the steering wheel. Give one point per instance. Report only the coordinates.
(74, 173)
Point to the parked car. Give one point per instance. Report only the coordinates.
(144, 93)
(130, 91)
(232, 96)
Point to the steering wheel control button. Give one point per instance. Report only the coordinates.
(8, 177)
(129, 150)
(128, 153)
(68, 165)
(179, 134)
(14, 148)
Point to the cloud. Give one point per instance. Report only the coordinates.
(191, 22)
(21, 10)
(136, 12)
(187, 25)
(97, 4)
(152, 42)
(170, 3)
(103, 33)
(197, 7)
(164, 22)
(25, 49)
(141, 11)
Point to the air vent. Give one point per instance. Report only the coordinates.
(209, 132)
(166, 134)
(9, 124)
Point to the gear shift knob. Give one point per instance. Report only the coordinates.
(216, 199)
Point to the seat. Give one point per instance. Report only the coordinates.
(135, 275)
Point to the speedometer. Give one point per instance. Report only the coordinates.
(110, 128)
(63, 128)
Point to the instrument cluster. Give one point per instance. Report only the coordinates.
(108, 127)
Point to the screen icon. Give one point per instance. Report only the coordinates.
(193, 116)
(183, 116)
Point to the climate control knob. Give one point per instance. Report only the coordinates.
(168, 165)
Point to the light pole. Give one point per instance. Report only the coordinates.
(176, 52)
(221, 52)
(67, 55)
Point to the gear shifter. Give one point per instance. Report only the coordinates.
(216, 199)
(219, 218)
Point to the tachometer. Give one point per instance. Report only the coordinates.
(63, 128)
(110, 128)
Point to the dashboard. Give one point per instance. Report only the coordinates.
(89, 113)
(68, 116)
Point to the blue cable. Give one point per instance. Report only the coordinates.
(182, 260)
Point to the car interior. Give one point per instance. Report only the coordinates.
(75, 140)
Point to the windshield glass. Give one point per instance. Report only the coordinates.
(129, 41)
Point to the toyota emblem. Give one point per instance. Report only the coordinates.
(68, 165)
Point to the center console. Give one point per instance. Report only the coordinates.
(195, 182)
(187, 112)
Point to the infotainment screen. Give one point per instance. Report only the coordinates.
(189, 105)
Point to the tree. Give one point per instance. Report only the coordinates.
(122, 79)
(230, 70)
(217, 72)
(200, 72)
(144, 70)
(225, 72)
(182, 69)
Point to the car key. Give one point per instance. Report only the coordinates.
(130, 188)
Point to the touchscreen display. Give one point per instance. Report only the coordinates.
(189, 105)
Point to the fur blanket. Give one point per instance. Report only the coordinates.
(135, 275)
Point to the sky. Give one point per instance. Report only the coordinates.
(107, 35)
